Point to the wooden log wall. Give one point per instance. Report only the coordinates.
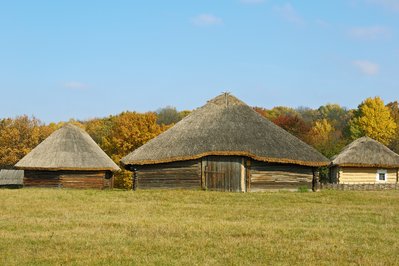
(41, 179)
(267, 176)
(359, 175)
(176, 175)
(68, 179)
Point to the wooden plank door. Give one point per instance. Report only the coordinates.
(224, 173)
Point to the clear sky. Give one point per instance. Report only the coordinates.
(83, 59)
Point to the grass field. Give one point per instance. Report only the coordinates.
(44, 226)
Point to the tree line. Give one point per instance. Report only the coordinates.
(328, 128)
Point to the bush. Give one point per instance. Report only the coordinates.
(303, 189)
(123, 179)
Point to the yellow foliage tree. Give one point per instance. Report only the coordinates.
(18, 137)
(373, 119)
(321, 132)
(326, 138)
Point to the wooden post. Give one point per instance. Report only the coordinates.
(243, 176)
(248, 175)
(315, 180)
(134, 179)
(203, 174)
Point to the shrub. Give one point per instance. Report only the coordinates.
(303, 189)
(123, 179)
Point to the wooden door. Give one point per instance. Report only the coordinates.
(224, 173)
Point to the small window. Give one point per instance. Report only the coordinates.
(382, 176)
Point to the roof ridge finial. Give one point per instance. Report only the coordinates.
(226, 98)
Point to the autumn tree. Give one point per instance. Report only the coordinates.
(325, 138)
(308, 115)
(278, 111)
(275, 112)
(373, 119)
(293, 124)
(337, 115)
(262, 111)
(394, 110)
(100, 130)
(321, 132)
(168, 115)
(184, 113)
(18, 137)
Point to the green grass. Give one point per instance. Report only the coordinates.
(52, 226)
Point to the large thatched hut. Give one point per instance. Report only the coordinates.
(224, 145)
(10, 178)
(68, 158)
(365, 161)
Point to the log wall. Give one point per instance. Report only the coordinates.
(68, 179)
(358, 175)
(176, 175)
(258, 176)
(267, 176)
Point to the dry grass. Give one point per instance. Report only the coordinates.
(43, 226)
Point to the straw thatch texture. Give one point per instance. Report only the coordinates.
(366, 152)
(225, 126)
(69, 148)
(11, 177)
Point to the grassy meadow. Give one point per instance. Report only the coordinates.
(54, 226)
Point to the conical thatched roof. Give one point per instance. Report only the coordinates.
(366, 152)
(68, 148)
(225, 126)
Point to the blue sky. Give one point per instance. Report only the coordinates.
(85, 59)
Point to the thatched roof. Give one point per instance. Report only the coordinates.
(11, 177)
(225, 126)
(367, 152)
(68, 148)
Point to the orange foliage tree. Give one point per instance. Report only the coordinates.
(293, 124)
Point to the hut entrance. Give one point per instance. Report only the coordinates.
(221, 173)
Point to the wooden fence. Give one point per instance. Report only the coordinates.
(371, 186)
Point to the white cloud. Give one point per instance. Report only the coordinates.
(76, 85)
(206, 20)
(252, 2)
(366, 67)
(370, 33)
(392, 5)
(288, 12)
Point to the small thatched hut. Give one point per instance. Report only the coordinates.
(68, 158)
(11, 178)
(224, 145)
(365, 161)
